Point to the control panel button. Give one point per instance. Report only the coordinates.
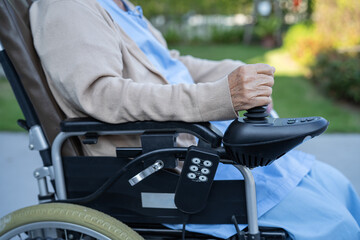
(205, 171)
(310, 119)
(203, 178)
(196, 160)
(191, 175)
(207, 163)
(194, 168)
(291, 121)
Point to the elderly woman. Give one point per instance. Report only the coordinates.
(103, 59)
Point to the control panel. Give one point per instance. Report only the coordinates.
(196, 179)
(256, 140)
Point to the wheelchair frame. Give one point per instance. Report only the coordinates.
(79, 127)
(91, 129)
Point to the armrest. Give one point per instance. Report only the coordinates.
(204, 131)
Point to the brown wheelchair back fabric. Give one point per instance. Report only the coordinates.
(15, 36)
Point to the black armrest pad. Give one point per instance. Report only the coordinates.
(204, 131)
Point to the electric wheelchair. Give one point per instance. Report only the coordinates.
(131, 195)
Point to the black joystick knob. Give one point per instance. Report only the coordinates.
(256, 115)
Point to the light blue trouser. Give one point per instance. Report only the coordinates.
(323, 206)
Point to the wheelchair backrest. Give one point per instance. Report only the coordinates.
(24, 71)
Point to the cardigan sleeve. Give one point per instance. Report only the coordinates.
(83, 59)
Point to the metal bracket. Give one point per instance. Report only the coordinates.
(90, 138)
(40, 174)
(37, 140)
(146, 172)
(44, 172)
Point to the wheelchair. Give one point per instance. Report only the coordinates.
(132, 195)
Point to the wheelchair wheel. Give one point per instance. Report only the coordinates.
(57, 221)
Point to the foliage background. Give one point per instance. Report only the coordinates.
(171, 8)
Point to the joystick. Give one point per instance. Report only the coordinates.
(256, 140)
(256, 115)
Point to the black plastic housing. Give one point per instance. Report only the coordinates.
(259, 144)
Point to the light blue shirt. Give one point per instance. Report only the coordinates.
(273, 182)
(134, 25)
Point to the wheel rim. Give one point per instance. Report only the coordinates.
(65, 230)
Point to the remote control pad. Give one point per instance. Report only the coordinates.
(196, 179)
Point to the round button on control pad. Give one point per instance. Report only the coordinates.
(191, 175)
(205, 171)
(199, 168)
(194, 168)
(196, 160)
(207, 163)
(203, 178)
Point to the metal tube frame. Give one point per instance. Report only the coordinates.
(57, 163)
(250, 192)
(57, 160)
(43, 187)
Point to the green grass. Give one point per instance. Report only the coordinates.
(294, 95)
(218, 52)
(9, 109)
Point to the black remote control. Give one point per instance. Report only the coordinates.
(196, 179)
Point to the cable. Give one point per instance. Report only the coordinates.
(186, 219)
(101, 189)
(183, 232)
(108, 183)
(239, 233)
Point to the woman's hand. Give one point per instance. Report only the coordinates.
(251, 86)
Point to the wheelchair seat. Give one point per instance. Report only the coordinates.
(138, 186)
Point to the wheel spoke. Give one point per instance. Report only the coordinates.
(66, 238)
